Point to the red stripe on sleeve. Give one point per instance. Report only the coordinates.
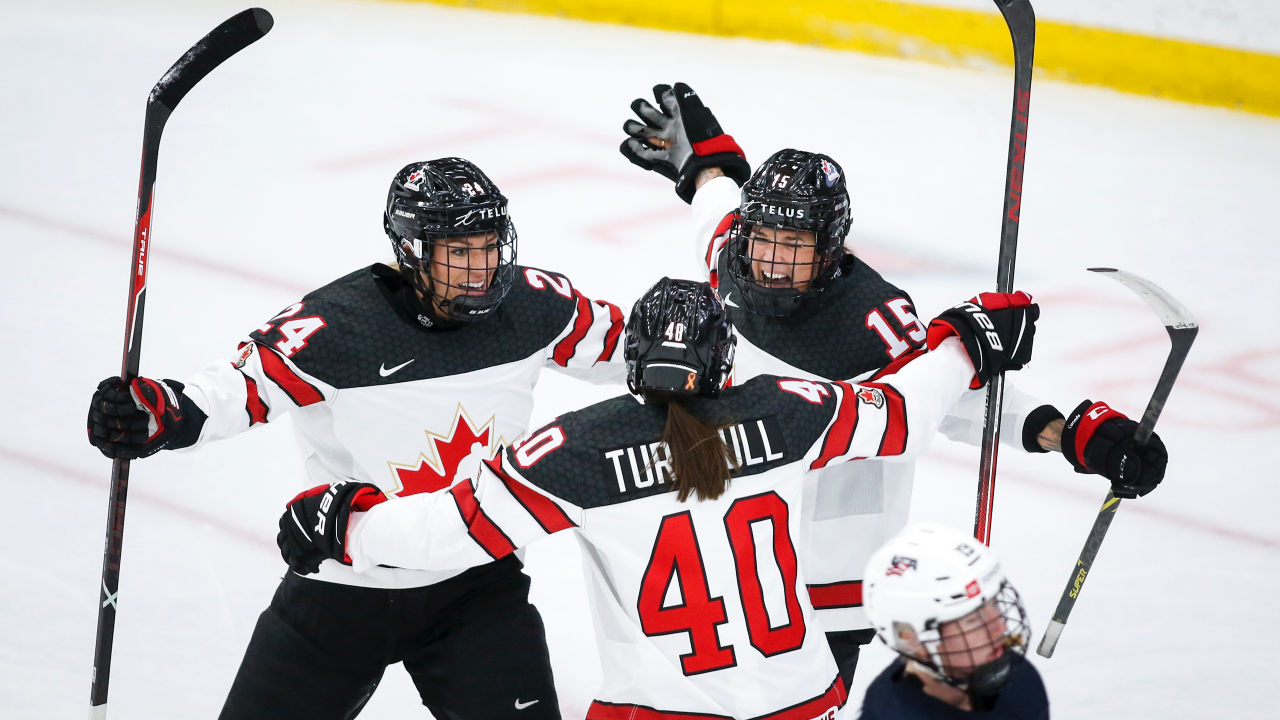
(841, 432)
(836, 595)
(898, 364)
(549, 515)
(483, 530)
(615, 711)
(301, 392)
(717, 237)
(894, 441)
(581, 324)
(254, 406)
(615, 330)
(835, 696)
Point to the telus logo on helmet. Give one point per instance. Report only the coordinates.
(480, 214)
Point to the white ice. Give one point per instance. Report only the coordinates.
(271, 179)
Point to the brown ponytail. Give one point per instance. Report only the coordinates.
(700, 460)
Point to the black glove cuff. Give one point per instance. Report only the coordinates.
(193, 419)
(732, 165)
(1069, 438)
(1035, 424)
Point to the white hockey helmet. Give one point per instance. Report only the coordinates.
(930, 581)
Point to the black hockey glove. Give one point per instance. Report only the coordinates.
(1097, 439)
(691, 140)
(313, 527)
(138, 420)
(997, 330)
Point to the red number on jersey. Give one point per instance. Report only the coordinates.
(677, 559)
(532, 450)
(769, 638)
(539, 281)
(296, 332)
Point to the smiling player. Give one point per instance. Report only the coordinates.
(406, 378)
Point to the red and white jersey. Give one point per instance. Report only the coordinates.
(864, 329)
(377, 397)
(700, 607)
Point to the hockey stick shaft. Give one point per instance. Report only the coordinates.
(1021, 20)
(1182, 330)
(224, 41)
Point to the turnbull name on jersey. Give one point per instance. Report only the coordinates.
(753, 442)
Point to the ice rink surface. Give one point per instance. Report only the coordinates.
(272, 175)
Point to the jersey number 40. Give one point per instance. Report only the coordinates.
(677, 558)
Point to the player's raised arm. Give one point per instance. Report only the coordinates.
(681, 140)
(258, 384)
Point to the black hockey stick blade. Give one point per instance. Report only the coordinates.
(1182, 328)
(1021, 19)
(237, 33)
(226, 40)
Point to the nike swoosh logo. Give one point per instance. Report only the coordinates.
(729, 302)
(521, 706)
(384, 372)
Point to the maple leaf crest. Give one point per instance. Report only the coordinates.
(436, 469)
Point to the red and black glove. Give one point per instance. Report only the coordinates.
(1097, 439)
(137, 420)
(691, 140)
(313, 527)
(997, 330)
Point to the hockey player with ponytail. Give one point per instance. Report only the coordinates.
(772, 243)
(687, 505)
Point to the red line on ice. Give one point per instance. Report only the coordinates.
(80, 477)
(166, 253)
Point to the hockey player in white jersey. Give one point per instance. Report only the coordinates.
(403, 378)
(687, 507)
(803, 305)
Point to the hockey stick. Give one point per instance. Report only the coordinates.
(1021, 20)
(1182, 328)
(224, 41)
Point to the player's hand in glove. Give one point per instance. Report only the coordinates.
(313, 527)
(1097, 439)
(997, 330)
(133, 421)
(680, 138)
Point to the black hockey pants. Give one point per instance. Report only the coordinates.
(845, 646)
(473, 645)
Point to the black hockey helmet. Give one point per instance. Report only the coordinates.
(451, 202)
(679, 342)
(797, 191)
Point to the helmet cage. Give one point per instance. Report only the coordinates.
(679, 342)
(461, 244)
(774, 273)
(790, 193)
(948, 650)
